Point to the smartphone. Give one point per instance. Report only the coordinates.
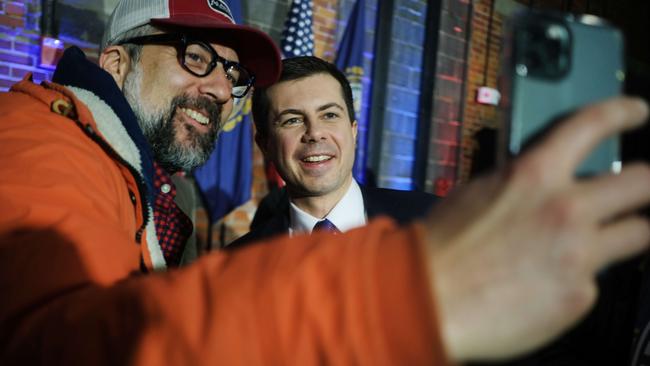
(554, 63)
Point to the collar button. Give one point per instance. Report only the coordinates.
(165, 188)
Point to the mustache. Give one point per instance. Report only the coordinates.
(210, 107)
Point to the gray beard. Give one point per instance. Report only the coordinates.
(160, 131)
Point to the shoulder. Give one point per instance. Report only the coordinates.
(26, 99)
(33, 116)
(394, 194)
(40, 112)
(403, 206)
(41, 143)
(276, 202)
(274, 225)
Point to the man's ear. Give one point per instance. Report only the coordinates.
(355, 130)
(116, 61)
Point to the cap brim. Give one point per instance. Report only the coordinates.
(256, 50)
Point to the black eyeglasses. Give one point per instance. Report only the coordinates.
(199, 59)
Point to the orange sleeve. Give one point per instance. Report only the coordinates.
(359, 298)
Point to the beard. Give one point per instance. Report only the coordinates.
(159, 127)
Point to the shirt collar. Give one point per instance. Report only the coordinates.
(347, 214)
(162, 182)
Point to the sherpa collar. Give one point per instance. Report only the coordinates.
(74, 70)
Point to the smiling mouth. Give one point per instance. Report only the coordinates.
(197, 116)
(317, 158)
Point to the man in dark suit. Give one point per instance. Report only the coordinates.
(305, 126)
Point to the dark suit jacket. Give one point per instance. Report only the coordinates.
(402, 206)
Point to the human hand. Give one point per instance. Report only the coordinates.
(514, 255)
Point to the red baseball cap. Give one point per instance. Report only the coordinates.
(256, 50)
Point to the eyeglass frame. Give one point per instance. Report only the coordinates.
(183, 41)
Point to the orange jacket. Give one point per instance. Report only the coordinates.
(73, 291)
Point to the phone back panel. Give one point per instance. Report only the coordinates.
(583, 65)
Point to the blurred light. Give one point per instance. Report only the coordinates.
(522, 70)
(487, 95)
(590, 19)
(556, 32)
(51, 52)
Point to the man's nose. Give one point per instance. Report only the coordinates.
(216, 85)
(314, 131)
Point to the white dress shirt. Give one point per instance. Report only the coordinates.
(348, 213)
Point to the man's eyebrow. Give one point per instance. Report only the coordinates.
(301, 112)
(288, 111)
(330, 105)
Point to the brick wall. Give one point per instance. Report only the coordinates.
(19, 42)
(483, 64)
(402, 96)
(325, 27)
(445, 132)
(20, 36)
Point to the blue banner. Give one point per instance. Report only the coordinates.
(349, 59)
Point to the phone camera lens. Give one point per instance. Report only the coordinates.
(543, 50)
(522, 70)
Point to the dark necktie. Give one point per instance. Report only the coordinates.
(326, 226)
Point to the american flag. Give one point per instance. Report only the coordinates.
(298, 36)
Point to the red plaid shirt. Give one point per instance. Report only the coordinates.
(173, 227)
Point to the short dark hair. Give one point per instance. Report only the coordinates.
(295, 68)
